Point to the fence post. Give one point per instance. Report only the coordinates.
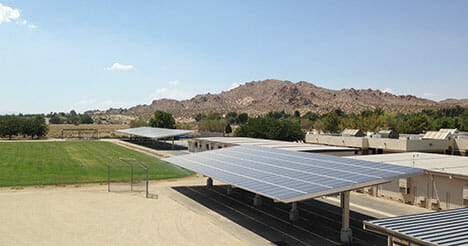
(108, 178)
(131, 179)
(147, 183)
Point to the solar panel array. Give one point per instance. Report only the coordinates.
(286, 175)
(448, 227)
(154, 132)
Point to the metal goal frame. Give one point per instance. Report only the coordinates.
(130, 162)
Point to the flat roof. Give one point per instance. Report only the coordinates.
(275, 144)
(449, 227)
(447, 164)
(286, 175)
(154, 132)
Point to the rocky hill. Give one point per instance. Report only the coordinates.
(258, 97)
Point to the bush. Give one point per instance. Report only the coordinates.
(212, 125)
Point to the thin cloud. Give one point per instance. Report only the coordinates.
(8, 14)
(170, 94)
(235, 85)
(388, 90)
(174, 82)
(118, 66)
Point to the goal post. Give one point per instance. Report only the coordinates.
(128, 175)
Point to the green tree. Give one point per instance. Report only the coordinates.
(417, 123)
(331, 122)
(10, 126)
(242, 118)
(163, 120)
(86, 119)
(271, 128)
(56, 119)
(40, 127)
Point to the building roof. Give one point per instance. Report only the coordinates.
(439, 163)
(276, 144)
(289, 176)
(436, 135)
(449, 227)
(154, 132)
(351, 132)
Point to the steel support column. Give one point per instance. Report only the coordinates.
(229, 189)
(294, 212)
(346, 234)
(209, 182)
(257, 200)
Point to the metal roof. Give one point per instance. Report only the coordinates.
(352, 132)
(154, 132)
(289, 176)
(449, 227)
(275, 144)
(437, 135)
(448, 164)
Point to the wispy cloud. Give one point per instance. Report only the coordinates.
(174, 82)
(170, 94)
(235, 85)
(118, 66)
(388, 90)
(9, 14)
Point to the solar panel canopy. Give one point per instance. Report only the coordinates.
(286, 175)
(448, 227)
(154, 132)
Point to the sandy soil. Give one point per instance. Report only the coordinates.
(89, 215)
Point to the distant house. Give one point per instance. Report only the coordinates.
(352, 133)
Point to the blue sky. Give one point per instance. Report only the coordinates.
(63, 55)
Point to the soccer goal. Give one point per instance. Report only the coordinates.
(128, 175)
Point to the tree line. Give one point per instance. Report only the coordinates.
(69, 118)
(281, 125)
(21, 125)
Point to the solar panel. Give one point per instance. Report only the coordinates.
(286, 175)
(154, 132)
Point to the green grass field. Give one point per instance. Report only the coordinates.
(45, 163)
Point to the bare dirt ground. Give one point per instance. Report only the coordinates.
(89, 215)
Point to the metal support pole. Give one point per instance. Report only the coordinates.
(131, 178)
(173, 143)
(209, 182)
(389, 241)
(257, 200)
(229, 189)
(147, 180)
(346, 234)
(294, 212)
(108, 178)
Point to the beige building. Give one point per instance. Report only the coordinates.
(445, 141)
(444, 184)
(209, 143)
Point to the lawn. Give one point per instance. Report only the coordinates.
(44, 163)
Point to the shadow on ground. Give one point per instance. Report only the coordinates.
(319, 223)
(157, 145)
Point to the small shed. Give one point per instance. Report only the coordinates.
(352, 133)
(388, 134)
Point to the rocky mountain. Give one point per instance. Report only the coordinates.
(258, 97)
(453, 102)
